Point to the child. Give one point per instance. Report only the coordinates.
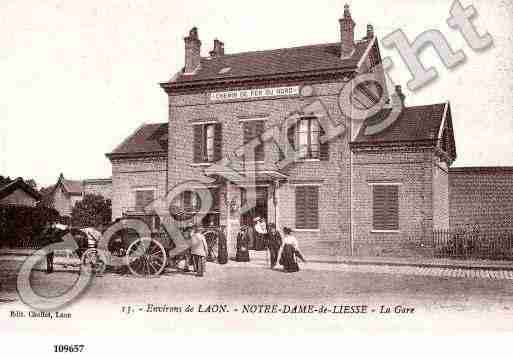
(199, 250)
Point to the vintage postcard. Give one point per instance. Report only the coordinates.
(279, 168)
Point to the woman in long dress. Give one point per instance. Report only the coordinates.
(289, 252)
(222, 249)
(242, 254)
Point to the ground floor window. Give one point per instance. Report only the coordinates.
(143, 197)
(307, 207)
(385, 207)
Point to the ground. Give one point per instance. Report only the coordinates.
(433, 293)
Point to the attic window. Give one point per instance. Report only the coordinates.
(224, 70)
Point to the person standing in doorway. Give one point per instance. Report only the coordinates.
(260, 234)
(242, 254)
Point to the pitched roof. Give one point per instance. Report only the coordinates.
(19, 183)
(273, 62)
(417, 123)
(149, 138)
(72, 186)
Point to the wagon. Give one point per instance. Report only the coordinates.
(144, 257)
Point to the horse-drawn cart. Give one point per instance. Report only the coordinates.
(143, 257)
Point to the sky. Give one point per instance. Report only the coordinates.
(78, 77)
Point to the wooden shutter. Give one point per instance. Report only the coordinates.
(198, 139)
(301, 207)
(291, 137)
(385, 207)
(251, 130)
(258, 131)
(324, 147)
(218, 142)
(215, 198)
(312, 206)
(307, 207)
(248, 131)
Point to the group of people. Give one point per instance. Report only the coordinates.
(284, 251)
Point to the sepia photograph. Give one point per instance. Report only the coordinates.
(275, 168)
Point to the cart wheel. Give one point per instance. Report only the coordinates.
(94, 261)
(211, 238)
(146, 257)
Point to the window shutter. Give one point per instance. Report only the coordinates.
(312, 205)
(291, 137)
(251, 130)
(324, 147)
(198, 143)
(307, 207)
(385, 207)
(300, 207)
(248, 131)
(218, 142)
(215, 199)
(259, 150)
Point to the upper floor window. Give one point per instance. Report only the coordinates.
(253, 129)
(308, 138)
(207, 142)
(305, 137)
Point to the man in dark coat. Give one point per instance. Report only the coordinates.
(273, 243)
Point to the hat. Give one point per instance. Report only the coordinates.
(258, 219)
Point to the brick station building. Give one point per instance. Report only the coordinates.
(357, 194)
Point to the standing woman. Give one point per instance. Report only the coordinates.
(222, 249)
(289, 251)
(242, 254)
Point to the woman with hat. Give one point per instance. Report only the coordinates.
(260, 234)
(288, 252)
(242, 254)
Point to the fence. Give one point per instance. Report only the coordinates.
(473, 244)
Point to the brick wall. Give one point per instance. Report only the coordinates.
(332, 176)
(102, 187)
(440, 195)
(129, 174)
(481, 196)
(412, 170)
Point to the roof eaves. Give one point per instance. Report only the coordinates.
(118, 155)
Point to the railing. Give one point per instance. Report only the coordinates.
(473, 244)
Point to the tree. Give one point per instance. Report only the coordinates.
(32, 183)
(92, 211)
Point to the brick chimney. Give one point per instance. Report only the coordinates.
(346, 34)
(218, 49)
(192, 51)
(370, 31)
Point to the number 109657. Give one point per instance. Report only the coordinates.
(64, 348)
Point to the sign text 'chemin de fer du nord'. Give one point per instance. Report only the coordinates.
(254, 93)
